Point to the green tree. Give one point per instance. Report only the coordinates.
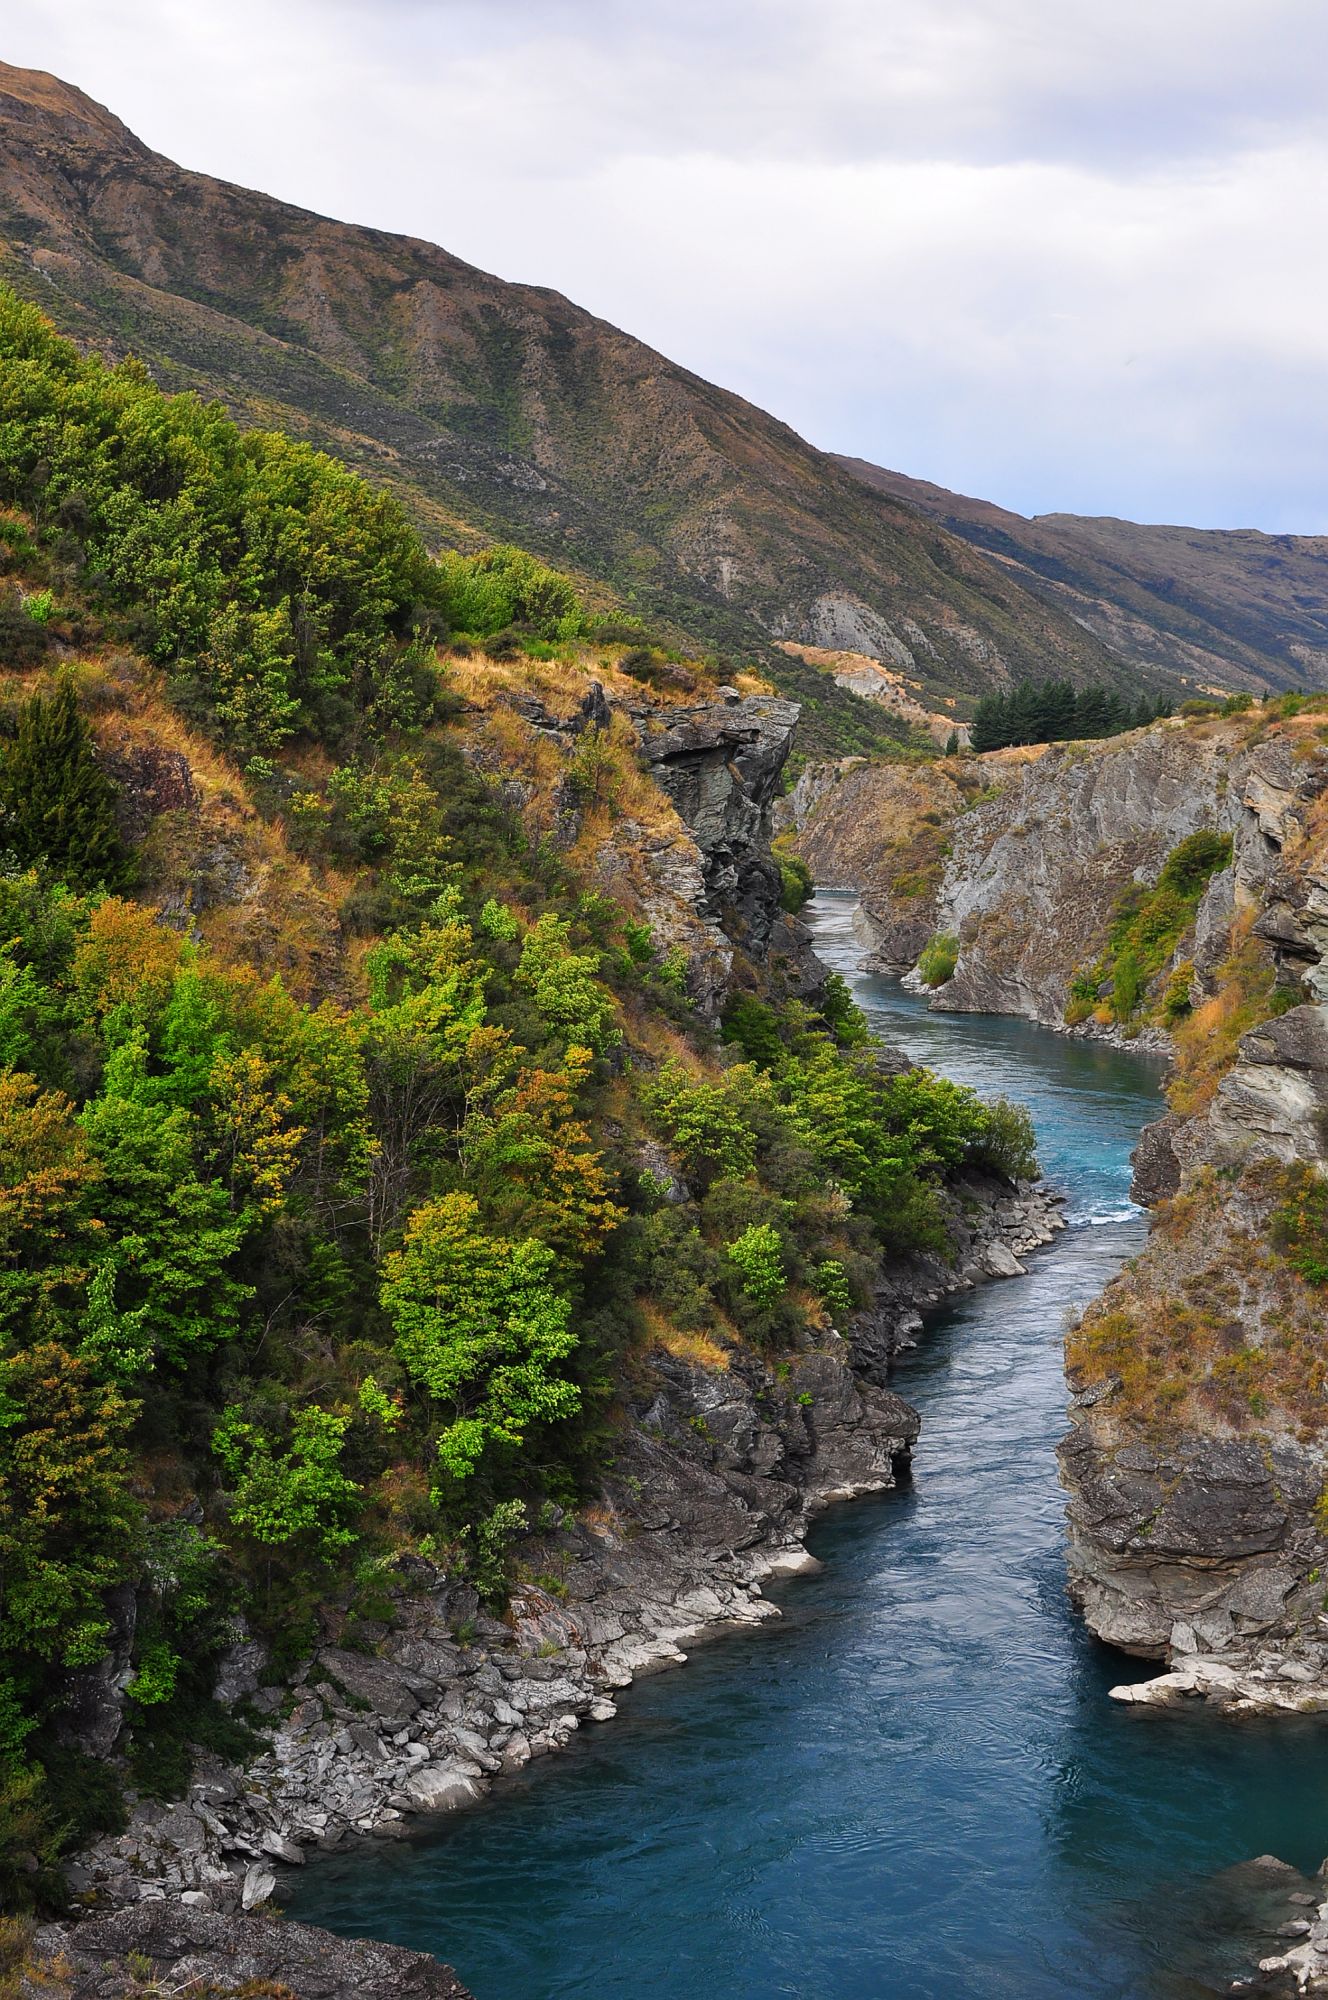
(480, 1326)
(296, 1494)
(759, 1257)
(57, 806)
(68, 1521)
(565, 985)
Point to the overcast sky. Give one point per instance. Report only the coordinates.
(1063, 255)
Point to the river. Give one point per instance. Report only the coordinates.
(914, 1785)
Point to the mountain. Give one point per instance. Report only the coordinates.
(1226, 607)
(502, 410)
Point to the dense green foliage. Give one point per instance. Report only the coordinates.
(280, 592)
(290, 1287)
(795, 881)
(1147, 924)
(1057, 712)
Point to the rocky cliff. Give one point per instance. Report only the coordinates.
(1196, 1466)
(1026, 859)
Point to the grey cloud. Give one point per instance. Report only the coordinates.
(984, 80)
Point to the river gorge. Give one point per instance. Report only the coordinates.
(915, 1784)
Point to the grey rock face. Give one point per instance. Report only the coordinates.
(1209, 1533)
(1273, 1102)
(1033, 874)
(1156, 1166)
(720, 765)
(190, 1948)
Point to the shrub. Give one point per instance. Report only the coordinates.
(1005, 1141)
(759, 1256)
(755, 1028)
(481, 1328)
(833, 1287)
(1299, 1225)
(295, 1494)
(938, 960)
(842, 1014)
(795, 882)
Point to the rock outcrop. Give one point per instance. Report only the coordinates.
(1034, 872)
(720, 764)
(161, 1947)
(1197, 1464)
(1021, 856)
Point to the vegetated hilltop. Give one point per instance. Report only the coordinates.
(502, 410)
(434, 1169)
(1224, 607)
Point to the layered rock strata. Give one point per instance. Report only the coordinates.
(1197, 1527)
(1199, 1539)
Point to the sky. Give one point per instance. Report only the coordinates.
(1065, 256)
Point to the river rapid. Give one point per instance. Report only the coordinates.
(914, 1786)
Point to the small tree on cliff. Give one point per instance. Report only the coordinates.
(56, 803)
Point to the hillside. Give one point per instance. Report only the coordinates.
(437, 1180)
(501, 410)
(1229, 607)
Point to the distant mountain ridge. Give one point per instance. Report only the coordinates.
(501, 410)
(1226, 606)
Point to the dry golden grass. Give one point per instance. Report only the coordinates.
(697, 1349)
(1207, 1041)
(1211, 1327)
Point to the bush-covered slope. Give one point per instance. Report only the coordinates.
(357, 1130)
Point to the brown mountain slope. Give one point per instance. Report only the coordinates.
(1230, 607)
(499, 409)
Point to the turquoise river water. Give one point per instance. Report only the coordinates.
(914, 1785)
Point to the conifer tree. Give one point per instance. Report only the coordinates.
(56, 803)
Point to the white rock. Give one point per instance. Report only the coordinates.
(259, 1882)
(441, 1788)
(1000, 1262)
(282, 1849)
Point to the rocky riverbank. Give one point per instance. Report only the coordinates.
(171, 1948)
(1294, 1909)
(720, 1470)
